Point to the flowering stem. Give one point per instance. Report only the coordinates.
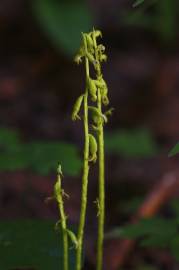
(85, 173)
(97, 91)
(59, 193)
(101, 181)
(65, 236)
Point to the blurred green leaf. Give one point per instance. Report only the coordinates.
(11, 157)
(137, 3)
(8, 138)
(31, 243)
(152, 227)
(174, 247)
(156, 232)
(42, 157)
(158, 16)
(174, 151)
(152, 232)
(165, 21)
(135, 143)
(175, 207)
(63, 21)
(13, 160)
(130, 206)
(137, 19)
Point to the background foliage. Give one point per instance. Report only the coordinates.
(63, 21)
(31, 243)
(41, 157)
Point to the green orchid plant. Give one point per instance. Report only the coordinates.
(89, 108)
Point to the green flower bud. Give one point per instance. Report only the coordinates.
(93, 147)
(90, 43)
(97, 117)
(79, 55)
(92, 89)
(76, 108)
(78, 59)
(101, 84)
(101, 48)
(97, 33)
(103, 58)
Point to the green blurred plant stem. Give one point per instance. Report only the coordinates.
(59, 194)
(100, 135)
(85, 172)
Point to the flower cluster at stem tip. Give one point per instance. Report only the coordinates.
(96, 87)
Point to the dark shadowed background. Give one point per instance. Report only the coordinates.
(39, 83)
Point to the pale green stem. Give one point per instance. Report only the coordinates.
(64, 228)
(101, 216)
(85, 175)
